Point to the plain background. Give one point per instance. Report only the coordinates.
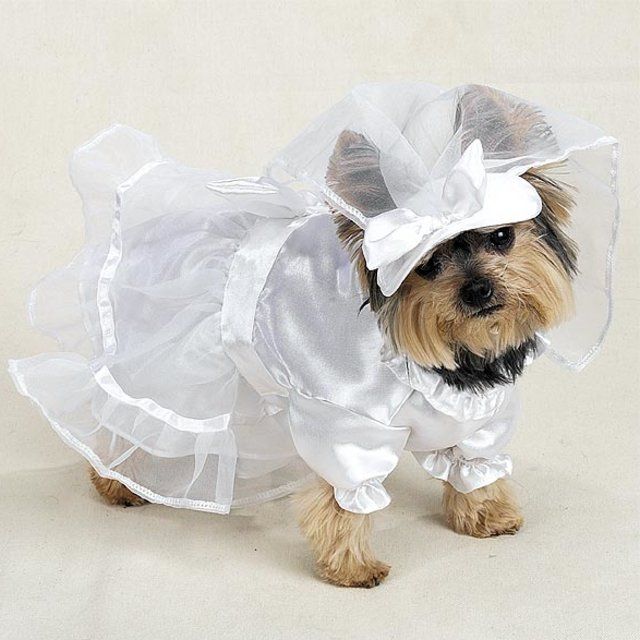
(225, 84)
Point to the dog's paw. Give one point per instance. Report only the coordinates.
(486, 512)
(490, 520)
(129, 499)
(350, 574)
(115, 492)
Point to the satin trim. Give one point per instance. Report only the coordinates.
(248, 274)
(114, 256)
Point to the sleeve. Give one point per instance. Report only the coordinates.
(477, 460)
(352, 452)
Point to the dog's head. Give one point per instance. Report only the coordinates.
(470, 310)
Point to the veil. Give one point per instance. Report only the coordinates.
(419, 134)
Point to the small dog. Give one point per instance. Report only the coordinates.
(227, 341)
(469, 311)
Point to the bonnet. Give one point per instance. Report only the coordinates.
(447, 161)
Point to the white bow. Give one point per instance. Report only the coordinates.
(395, 240)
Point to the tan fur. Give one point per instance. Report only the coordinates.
(423, 318)
(339, 539)
(555, 194)
(488, 511)
(534, 289)
(354, 172)
(521, 126)
(114, 492)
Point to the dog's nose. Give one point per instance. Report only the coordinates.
(477, 292)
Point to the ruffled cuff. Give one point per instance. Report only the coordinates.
(465, 475)
(368, 497)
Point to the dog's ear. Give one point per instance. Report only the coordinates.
(555, 215)
(354, 174)
(505, 125)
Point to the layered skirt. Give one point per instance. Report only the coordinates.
(143, 387)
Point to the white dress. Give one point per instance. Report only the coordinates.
(213, 351)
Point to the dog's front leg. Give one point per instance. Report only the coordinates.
(488, 511)
(339, 539)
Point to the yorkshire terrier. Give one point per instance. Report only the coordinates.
(470, 312)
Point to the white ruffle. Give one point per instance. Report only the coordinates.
(463, 474)
(370, 496)
(144, 388)
(459, 404)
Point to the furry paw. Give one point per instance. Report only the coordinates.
(339, 539)
(485, 512)
(364, 576)
(115, 492)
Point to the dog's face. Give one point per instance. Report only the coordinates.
(471, 308)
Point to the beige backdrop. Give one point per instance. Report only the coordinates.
(225, 84)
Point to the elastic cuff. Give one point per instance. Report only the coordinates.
(368, 497)
(463, 474)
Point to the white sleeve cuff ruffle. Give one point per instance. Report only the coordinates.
(368, 497)
(465, 475)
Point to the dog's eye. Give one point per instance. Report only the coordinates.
(501, 239)
(430, 269)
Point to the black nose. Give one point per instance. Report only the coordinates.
(477, 292)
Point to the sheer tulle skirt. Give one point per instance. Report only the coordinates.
(143, 387)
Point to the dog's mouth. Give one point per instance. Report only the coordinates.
(487, 311)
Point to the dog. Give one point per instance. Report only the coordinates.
(383, 307)
(470, 312)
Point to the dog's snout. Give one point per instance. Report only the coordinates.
(477, 292)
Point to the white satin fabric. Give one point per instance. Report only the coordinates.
(213, 352)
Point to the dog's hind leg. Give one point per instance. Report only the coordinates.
(339, 539)
(114, 492)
